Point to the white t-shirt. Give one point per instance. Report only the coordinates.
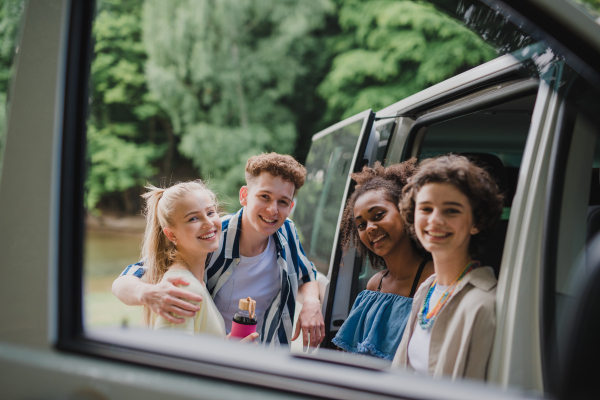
(257, 277)
(418, 346)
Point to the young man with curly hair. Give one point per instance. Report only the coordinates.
(259, 256)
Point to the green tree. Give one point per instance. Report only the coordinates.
(390, 49)
(11, 12)
(126, 123)
(226, 72)
(593, 5)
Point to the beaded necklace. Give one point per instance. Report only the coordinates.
(427, 318)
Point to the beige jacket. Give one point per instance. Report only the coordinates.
(463, 333)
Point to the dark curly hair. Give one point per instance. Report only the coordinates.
(473, 181)
(389, 181)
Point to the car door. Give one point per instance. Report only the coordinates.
(511, 124)
(503, 125)
(334, 155)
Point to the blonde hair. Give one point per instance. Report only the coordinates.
(157, 250)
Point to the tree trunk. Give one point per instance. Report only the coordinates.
(171, 141)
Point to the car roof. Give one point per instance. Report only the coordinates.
(566, 28)
(573, 31)
(506, 62)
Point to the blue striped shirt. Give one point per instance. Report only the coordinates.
(295, 269)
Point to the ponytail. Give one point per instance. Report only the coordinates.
(154, 245)
(157, 250)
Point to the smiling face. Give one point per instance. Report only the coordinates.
(444, 219)
(196, 225)
(379, 224)
(268, 201)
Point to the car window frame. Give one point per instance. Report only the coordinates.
(71, 336)
(524, 230)
(407, 111)
(485, 97)
(73, 167)
(557, 175)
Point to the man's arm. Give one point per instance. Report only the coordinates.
(310, 320)
(163, 298)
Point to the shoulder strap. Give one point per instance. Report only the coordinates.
(381, 281)
(415, 284)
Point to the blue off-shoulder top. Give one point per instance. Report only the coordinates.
(375, 324)
(377, 320)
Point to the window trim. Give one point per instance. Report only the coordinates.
(513, 72)
(71, 336)
(506, 68)
(71, 211)
(477, 103)
(557, 170)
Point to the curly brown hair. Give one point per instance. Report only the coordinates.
(473, 181)
(389, 181)
(277, 165)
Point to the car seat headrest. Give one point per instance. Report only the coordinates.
(493, 165)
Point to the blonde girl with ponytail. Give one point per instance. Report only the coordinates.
(182, 229)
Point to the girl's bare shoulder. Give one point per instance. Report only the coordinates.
(373, 283)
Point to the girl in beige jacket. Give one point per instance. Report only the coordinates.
(451, 205)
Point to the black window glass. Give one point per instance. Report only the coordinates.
(500, 130)
(319, 202)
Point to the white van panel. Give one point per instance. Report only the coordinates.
(516, 357)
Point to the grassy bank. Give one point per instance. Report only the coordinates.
(111, 244)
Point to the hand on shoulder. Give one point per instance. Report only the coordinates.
(166, 298)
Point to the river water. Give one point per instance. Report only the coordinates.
(106, 256)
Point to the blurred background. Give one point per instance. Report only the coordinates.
(183, 89)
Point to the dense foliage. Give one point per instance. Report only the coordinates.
(123, 141)
(224, 71)
(187, 88)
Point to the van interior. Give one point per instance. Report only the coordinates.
(494, 138)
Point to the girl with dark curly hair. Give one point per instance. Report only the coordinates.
(451, 205)
(372, 222)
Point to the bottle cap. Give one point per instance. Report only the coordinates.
(248, 305)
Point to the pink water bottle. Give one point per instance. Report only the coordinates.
(244, 321)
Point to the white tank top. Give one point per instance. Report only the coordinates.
(418, 346)
(257, 277)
